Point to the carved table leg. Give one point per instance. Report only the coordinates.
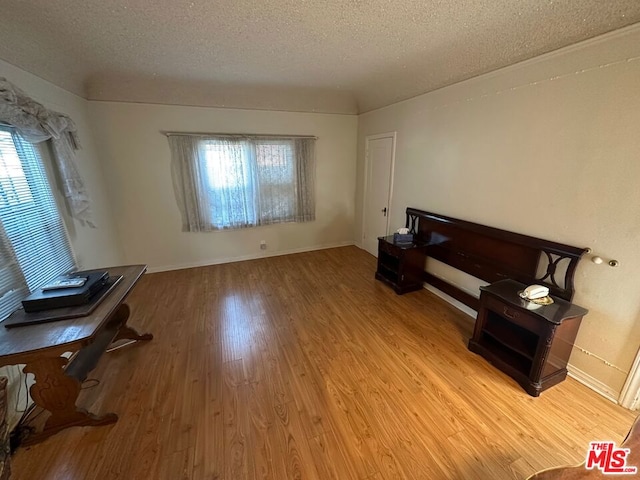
(57, 393)
(126, 332)
(56, 389)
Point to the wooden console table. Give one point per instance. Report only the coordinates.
(58, 380)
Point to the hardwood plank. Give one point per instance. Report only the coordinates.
(330, 460)
(236, 423)
(304, 366)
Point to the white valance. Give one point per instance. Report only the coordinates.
(36, 123)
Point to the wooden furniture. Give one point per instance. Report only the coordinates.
(530, 343)
(531, 346)
(5, 447)
(401, 265)
(57, 379)
(492, 254)
(295, 367)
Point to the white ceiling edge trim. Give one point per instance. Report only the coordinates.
(172, 91)
(605, 37)
(209, 107)
(621, 32)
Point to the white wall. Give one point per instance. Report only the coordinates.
(549, 148)
(93, 247)
(148, 220)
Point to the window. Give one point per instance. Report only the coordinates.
(34, 247)
(237, 182)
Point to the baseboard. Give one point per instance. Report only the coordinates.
(241, 258)
(592, 383)
(449, 299)
(574, 372)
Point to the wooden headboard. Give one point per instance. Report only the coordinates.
(491, 254)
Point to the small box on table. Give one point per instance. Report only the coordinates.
(403, 238)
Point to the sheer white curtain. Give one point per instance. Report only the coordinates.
(13, 286)
(226, 182)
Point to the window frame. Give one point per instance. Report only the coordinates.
(265, 195)
(47, 226)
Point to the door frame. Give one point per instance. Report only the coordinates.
(630, 394)
(365, 195)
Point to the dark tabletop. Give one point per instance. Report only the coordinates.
(557, 312)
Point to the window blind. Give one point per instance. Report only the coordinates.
(34, 245)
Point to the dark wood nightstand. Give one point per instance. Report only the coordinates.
(529, 343)
(401, 265)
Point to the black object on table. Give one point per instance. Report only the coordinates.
(21, 318)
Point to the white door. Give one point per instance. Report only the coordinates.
(380, 150)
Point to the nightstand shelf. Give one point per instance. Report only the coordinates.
(529, 343)
(511, 336)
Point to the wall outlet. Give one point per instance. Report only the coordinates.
(263, 244)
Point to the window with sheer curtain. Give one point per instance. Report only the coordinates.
(225, 182)
(34, 245)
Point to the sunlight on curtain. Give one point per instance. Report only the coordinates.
(230, 179)
(238, 182)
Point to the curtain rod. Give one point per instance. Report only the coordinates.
(233, 135)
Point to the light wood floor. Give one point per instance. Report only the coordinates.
(304, 366)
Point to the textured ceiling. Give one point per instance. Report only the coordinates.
(328, 56)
